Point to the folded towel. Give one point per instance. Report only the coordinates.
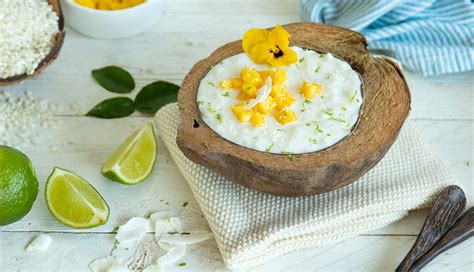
(252, 228)
(428, 36)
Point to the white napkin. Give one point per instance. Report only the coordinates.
(252, 228)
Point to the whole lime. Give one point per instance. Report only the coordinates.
(18, 185)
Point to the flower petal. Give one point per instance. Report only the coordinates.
(260, 52)
(252, 37)
(289, 57)
(279, 36)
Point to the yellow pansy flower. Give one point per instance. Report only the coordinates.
(270, 47)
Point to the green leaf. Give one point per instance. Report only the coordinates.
(114, 79)
(155, 95)
(113, 108)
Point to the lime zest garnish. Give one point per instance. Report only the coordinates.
(338, 120)
(269, 148)
(317, 127)
(290, 155)
(328, 112)
(353, 96)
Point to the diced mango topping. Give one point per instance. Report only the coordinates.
(243, 96)
(249, 89)
(252, 77)
(225, 84)
(310, 89)
(284, 100)
(109, 4)
(284, 116)
(278, 89)
(242, 114)
(233, 83)
(279, 77)
(87, 3)
(266, 73)
(276, 103)
(266, 106)
(237, 83)
(257, 119)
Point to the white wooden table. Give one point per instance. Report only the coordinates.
(186, 32)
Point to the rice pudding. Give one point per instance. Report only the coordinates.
(299, 108)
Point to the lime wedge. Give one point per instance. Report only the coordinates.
(134, 159)
(73, 201)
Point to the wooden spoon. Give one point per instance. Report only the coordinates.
(461, 231)
(48, 59)
(446, 209)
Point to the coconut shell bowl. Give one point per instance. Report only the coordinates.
(386, 106)
(49, 58)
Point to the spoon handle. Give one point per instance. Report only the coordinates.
(446, 209)
(461, 231)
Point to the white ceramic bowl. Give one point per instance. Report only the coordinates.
(111, 24)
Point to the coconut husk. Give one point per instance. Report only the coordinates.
(386, 106)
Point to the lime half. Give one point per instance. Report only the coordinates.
(134, 159)
(73, 201)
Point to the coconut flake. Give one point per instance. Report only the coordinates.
(134, 251)
(262, 94)
(164, 226)
(165, 246)
(172, 256)
(40, 243)
(104, 264)
(118, 267)
(134, 229)
(176, 224)
(185, 238)
(162, 215)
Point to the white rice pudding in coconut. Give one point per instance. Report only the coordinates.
(321, 121)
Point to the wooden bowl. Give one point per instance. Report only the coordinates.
(385, 108)
(53, 54)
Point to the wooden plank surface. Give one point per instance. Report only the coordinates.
(362, 253)
(187, 31)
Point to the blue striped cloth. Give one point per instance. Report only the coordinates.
(430, 37)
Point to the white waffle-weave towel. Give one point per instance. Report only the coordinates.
(252, 228)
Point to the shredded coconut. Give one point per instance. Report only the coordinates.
(23, 118)
(27, 33)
